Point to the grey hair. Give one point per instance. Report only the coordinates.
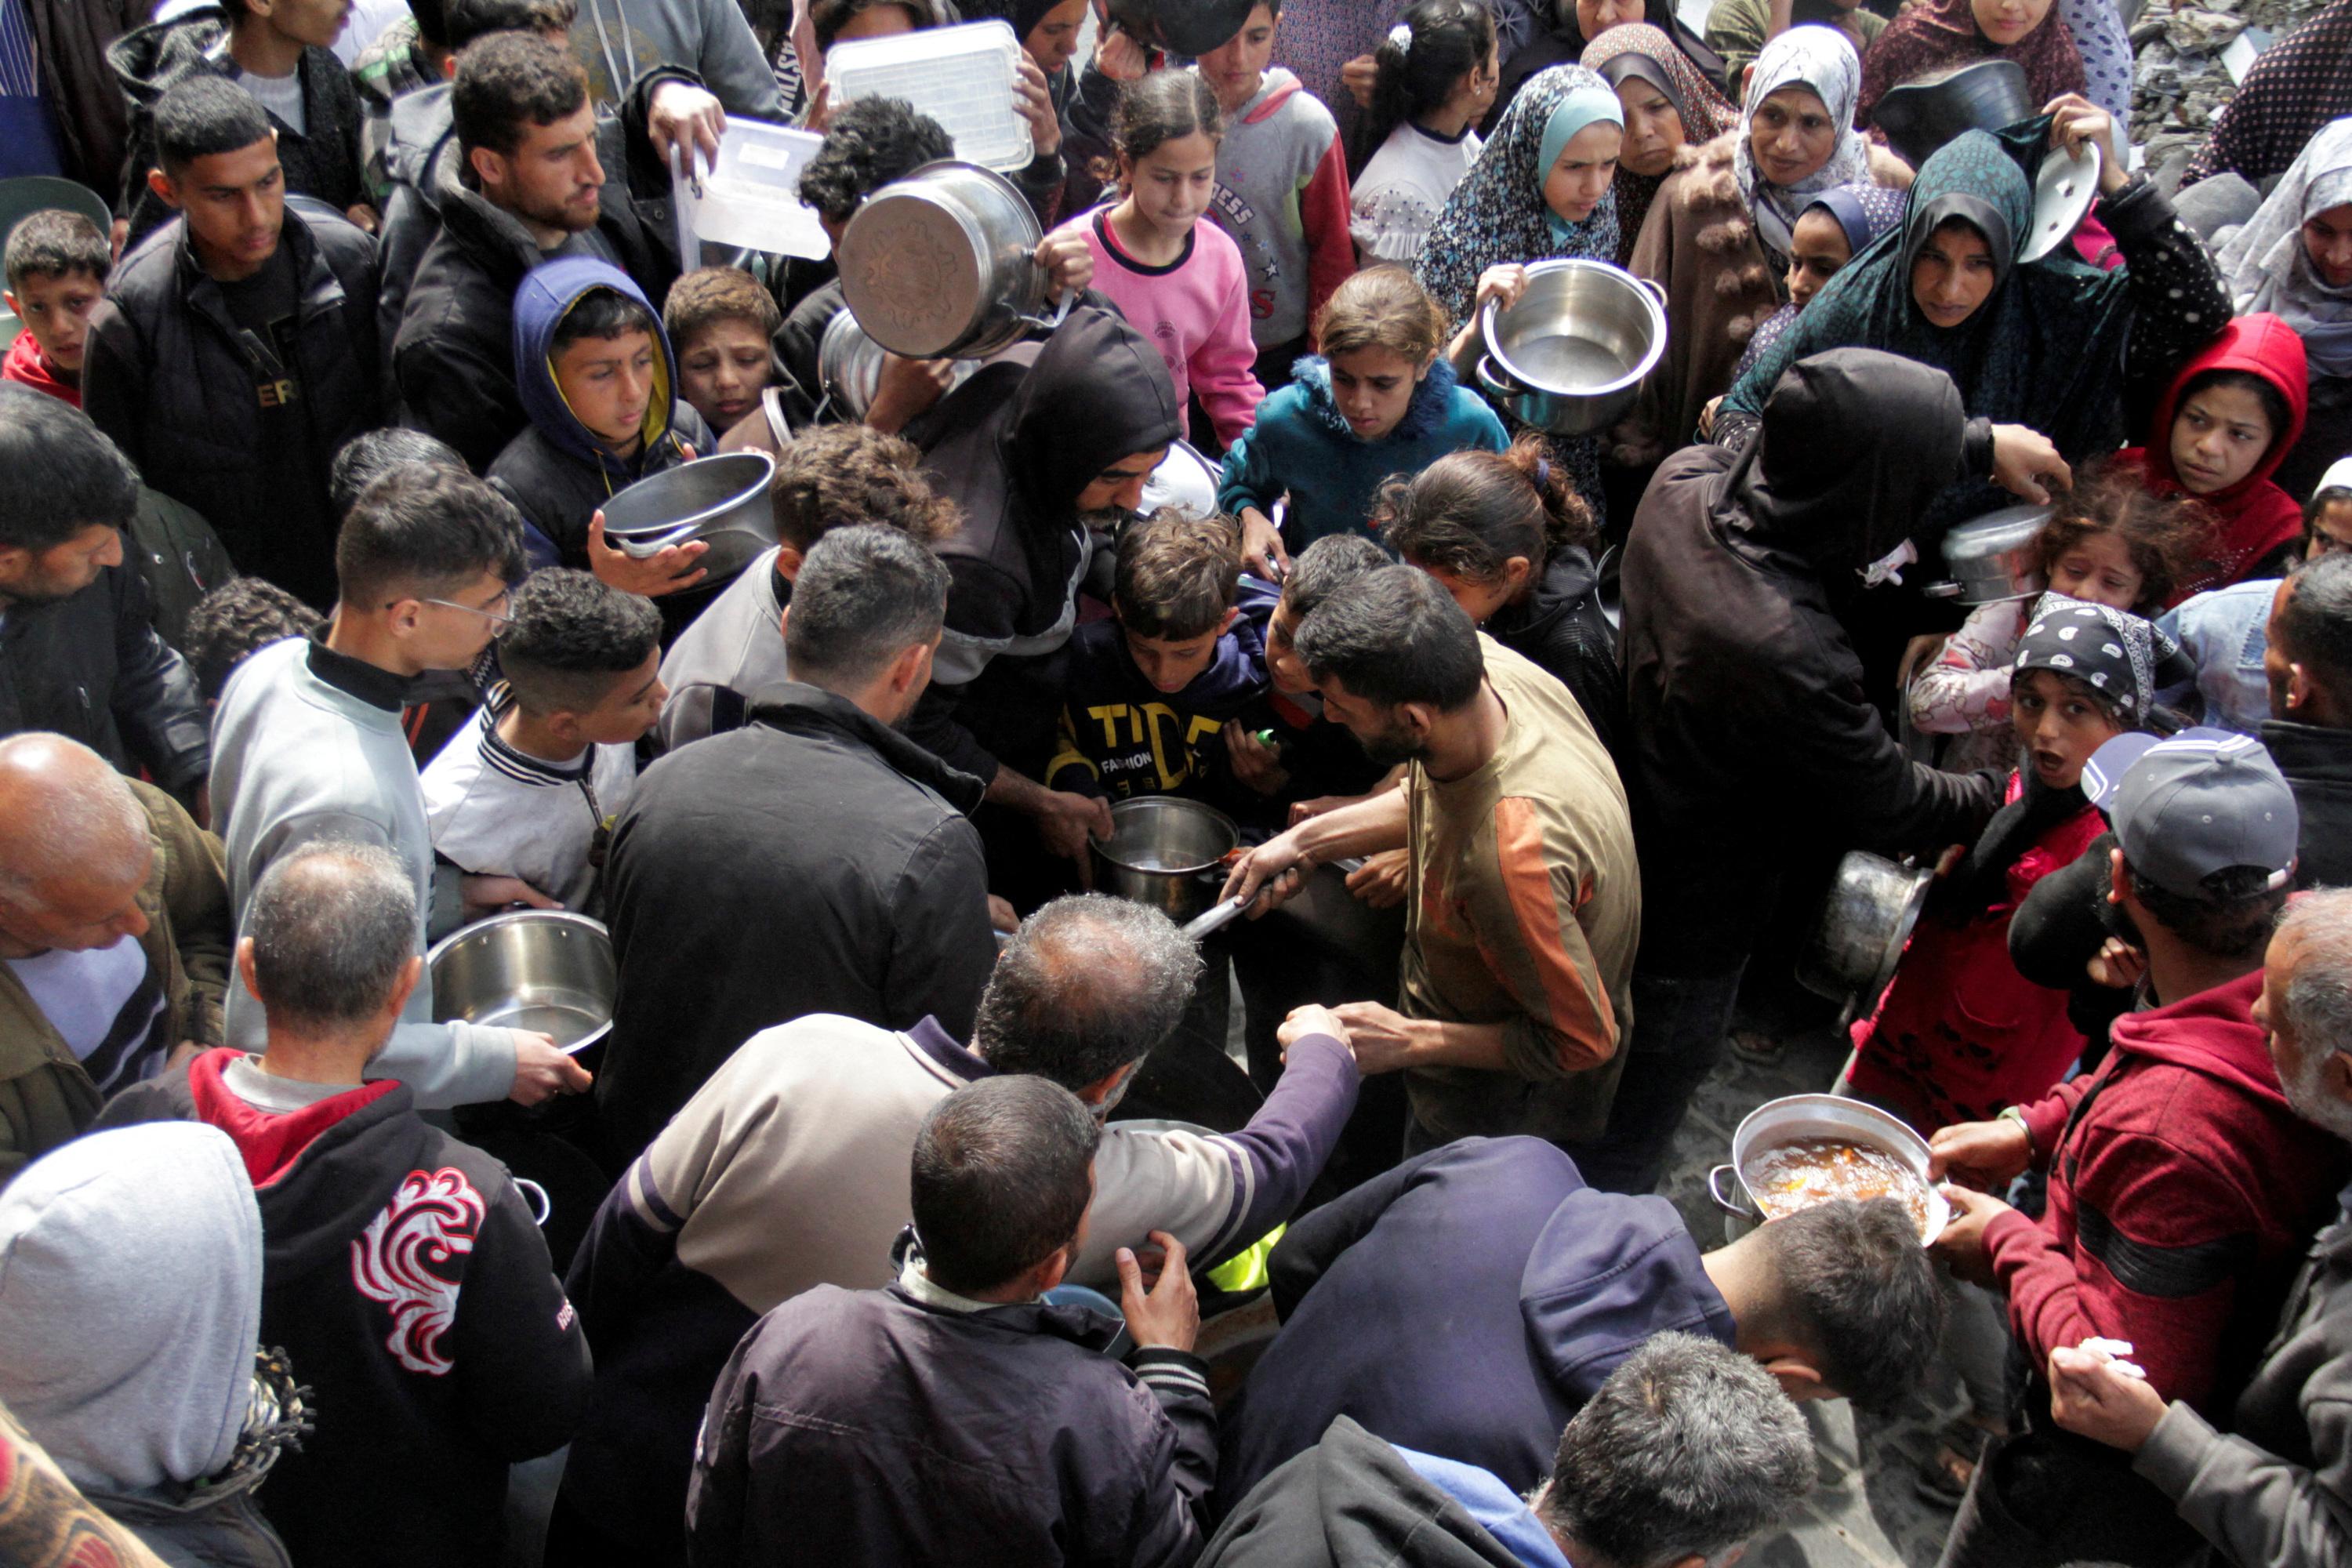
(2318, 997)
(1089, 984)
(864, 595)
(1689, 1449)
(333, 924)
(89, 831)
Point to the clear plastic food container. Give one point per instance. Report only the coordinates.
(753, 198)
(962, 77)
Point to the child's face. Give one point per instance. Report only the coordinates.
(1574, 186)
(2218, 436)
(1171, 184)
(1235, 67)
(2097, 568)
(608, 384)
(1172, 664)
(2058, 728)
(1479, 601)
(1373, 388)
(2331, 531)
(1818, 251)
(1283, 664)
(722, 369)
(55, 308)
(631, 705)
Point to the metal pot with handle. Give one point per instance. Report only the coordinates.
(1994, 557)
(1791, 1117)
(1871, 907)
(1570, 355)
(1166, 852)
(943, 265)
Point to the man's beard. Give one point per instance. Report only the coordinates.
(1392, 747)
(1106, 520)
(2307, 1097)
(565, 218)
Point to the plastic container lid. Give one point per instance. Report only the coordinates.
(753, 198)
(962, 77)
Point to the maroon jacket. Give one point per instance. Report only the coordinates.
(2181, 1194)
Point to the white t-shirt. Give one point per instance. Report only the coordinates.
(1398, 197)
(106, 1003)
(281, 95)
(495, 811)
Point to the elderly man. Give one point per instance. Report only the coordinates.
(114, 939)
(405, 1277)
(788, 1171)
(2274, 1491)
(1524, 903)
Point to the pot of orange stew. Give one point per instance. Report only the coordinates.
(1804, 1148)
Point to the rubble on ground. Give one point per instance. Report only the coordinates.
(2180, 81)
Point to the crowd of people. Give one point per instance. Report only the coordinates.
(882, 1222)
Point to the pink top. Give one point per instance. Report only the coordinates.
(1196, 309)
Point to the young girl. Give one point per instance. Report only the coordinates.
(1508, 538)
(1177, 281)
(1378, 401)
(1436, 79)
(2111, 542)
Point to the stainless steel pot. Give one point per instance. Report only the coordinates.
(942, 264)
(1166, 852)
(1858, 939)
(849, 366)
(722, 499)
(1791, 1117)
(1570, 356)
(545, 970)
(1994, 557)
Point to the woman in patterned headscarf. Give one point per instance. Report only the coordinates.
(1836, 226)
(1930, 36)
(1668, 106)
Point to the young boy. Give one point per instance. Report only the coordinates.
(57, 264)
(1149, 693)
(238, 620)
(1282, 191)
(720, 322)
(533, 789)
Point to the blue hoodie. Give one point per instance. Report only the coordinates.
(1302, 444)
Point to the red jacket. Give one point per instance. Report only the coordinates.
(25, 365)
(2182, 1192)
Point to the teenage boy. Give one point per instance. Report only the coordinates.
(56, 265)
(531, 790)
(720, 322)
(1282, 191)
(308, 745)
(280, 52)
(235, 350)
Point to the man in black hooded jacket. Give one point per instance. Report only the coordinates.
(1755, 750)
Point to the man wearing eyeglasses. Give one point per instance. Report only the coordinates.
(308, 747)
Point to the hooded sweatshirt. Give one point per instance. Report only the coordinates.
(616, 41)
(1282, 193)
(1015, 445)
(29, 366)
(2182, 1189)
(2254, 519)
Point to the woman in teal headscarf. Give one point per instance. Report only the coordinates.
(2053, 344)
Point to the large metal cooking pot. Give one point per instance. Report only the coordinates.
(1994, 557)
(722, 499)
(1166, 852)
(545, 970)
(942, 264)
(849, 366)
(1873, 905)
(1791, 1117)
(1922, 115)
(1570, 356)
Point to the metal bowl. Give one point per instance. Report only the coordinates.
(1873, 905)
(1995, 557)
(1791, 1117)
(849, 366)
(544, 970)
(1569, 357)
(942, 264)
(1923, 114)
(1166, 852)
(722, 499)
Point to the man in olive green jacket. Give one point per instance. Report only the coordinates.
(115, 937)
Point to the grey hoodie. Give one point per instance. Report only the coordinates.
(619, 40)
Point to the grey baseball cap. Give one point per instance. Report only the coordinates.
(2201, 802)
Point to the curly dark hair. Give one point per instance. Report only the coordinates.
(838, 475)
(572, 636)
(241, 616)
(2162, 532)
(869, 143)
(509, 80)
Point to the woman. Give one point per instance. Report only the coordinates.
(2294, 258)
(1938, 34)
(1581, 23)
(1836, 226)
(1720, 235)
(1668, 106)
(2041, 343)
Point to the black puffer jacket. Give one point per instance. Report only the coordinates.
(91, 666)
(1560, 629)
(166, 377)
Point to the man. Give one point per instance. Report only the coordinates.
(71, 119)
(525, 179)
(114, 939)
(2274, 1491)
(1525, 902)
(1685, 1451)
(817, 825)
(309, 746)
(404, 1276)
(2308, 661)
(1469, 1302)
(1757, 755)
(2182, 1184)
(955, 1415)
(1039, 457)
(78, 655)
(788, 1171)
(236, 347)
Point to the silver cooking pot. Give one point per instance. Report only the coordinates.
(1994, 557)
(1569, 357)
(1871, 907)
(545, 970)
(849, 366)
(1795, 1116)
(1166, 852)
(722, 499)
(942, 264)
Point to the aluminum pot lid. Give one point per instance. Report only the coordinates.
(2063, 193)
